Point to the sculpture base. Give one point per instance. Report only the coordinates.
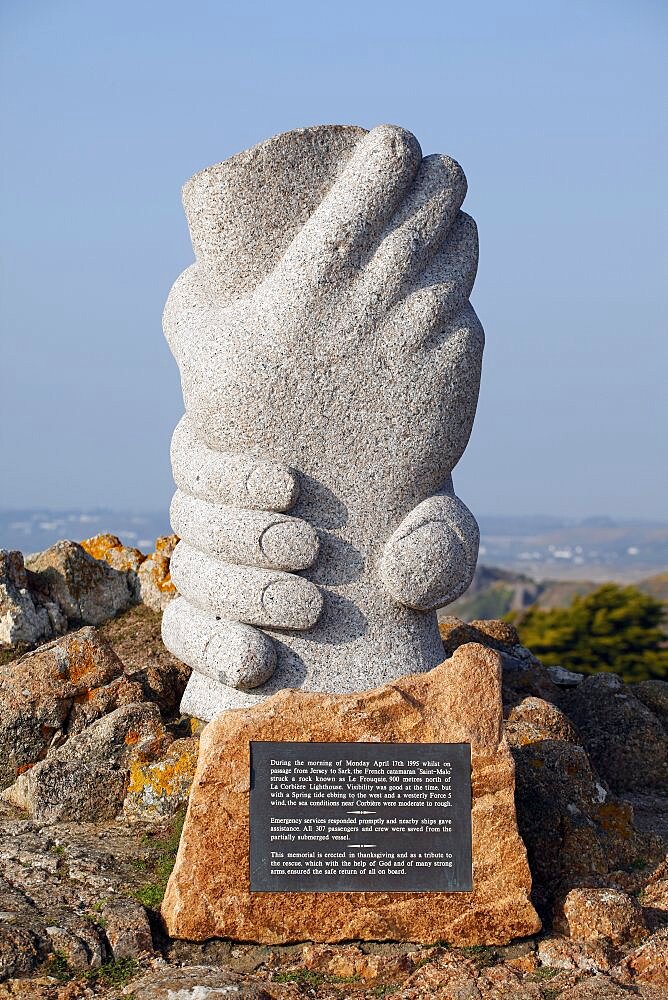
(209, 895)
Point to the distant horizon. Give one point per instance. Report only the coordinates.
(140, 510)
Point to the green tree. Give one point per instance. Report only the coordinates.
(614, 628)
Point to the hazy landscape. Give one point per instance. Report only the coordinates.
(535, 546)
(524, 561)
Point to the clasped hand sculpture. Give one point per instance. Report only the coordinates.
(330, 365)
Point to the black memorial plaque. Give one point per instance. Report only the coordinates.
(360, 817)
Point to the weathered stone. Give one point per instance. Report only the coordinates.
(653, 694)
(127, 928)
(87, 590)
(199, 982)
(135, 638)
(654, 896)
(24, 618)
(154, 581)
(350, 962)
(111, 550)
(448, 976)
(165, 545)
(44, 988)
(55, 691)
(494, 633)
(523, 674)
(460, 701)
(20, 950)
(595, 988)
(160, 788)
(534, 720)
(564, 953)
(593, 915)
(356, 233)
(572, 826)
(624, 739)
(647, 964)
(87, 777)
(81, 950)
(565, 678)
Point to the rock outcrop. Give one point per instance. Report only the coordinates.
(26, 617)
(54, 692)
(72, 584)
(87, 590)
(87, 777)
(90, 728)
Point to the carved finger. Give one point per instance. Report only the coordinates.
(239, 480)
(419, 227)
(246, 537)
(429, 560)
(227, 652)
(359, 203)
(261, 597)
(436, 295)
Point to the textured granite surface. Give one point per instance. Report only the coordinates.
(458, 702)
(330, 364)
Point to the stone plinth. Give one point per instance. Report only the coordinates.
(459, 701)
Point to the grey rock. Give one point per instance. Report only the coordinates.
(626, 742)
(21, 949)
(83, 948)
(195, 982)
(654, 695)
(127, 928)
(87, 590)
(573, 827)
(565, 678)
(330, 363)
(535, 720)
(24, 618)
(86, 779)
(54, 692)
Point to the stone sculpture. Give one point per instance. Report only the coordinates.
(330, 364)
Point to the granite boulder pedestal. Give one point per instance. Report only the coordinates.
(457, 702)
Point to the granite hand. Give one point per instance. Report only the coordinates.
(418, 559)
(326, 325)
(229, 565)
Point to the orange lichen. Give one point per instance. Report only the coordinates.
(111, 550)
(166, 544)
(167, 776)
(131, 738)
(615, 817)
(99, 545)
(80, 660)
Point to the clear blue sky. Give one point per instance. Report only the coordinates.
(556, 110)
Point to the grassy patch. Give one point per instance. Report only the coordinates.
(540, 975)
(59, 968)
(480, 954)
(115, 973)
(160, 864)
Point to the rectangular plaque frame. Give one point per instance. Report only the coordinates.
(360, 817)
